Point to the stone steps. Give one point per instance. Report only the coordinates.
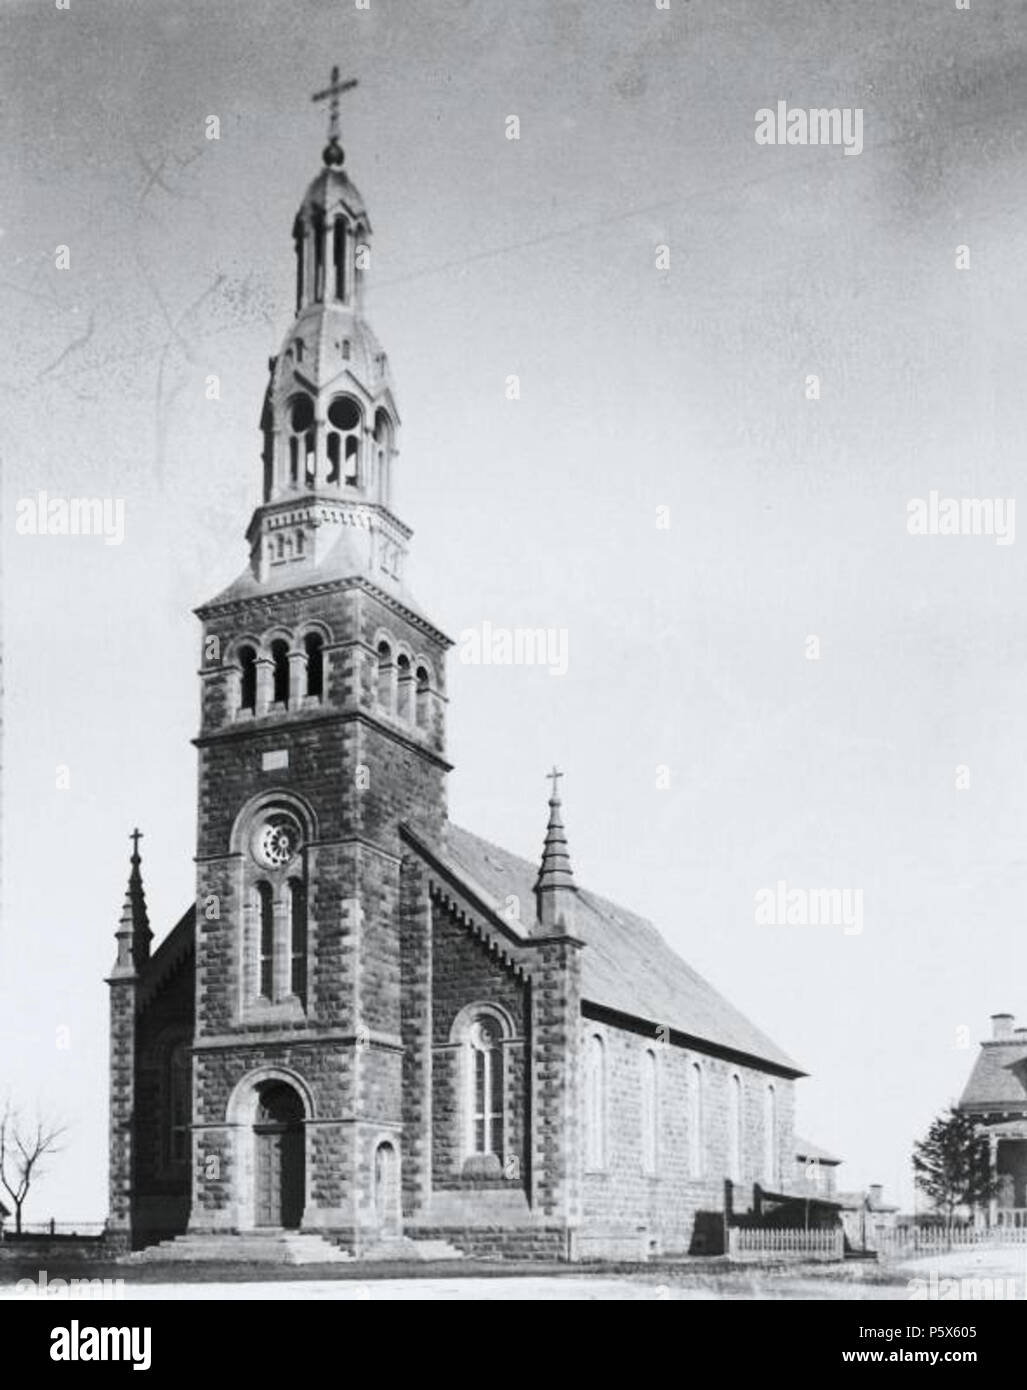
(257, 1248)
(287, 1248)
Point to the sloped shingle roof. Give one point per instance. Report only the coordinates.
(804, 1149)
(627, 966)
(998, 1079)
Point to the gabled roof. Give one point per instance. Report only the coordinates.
(804, 1149)
(172, 952)
(999, 1078)
(627, 966)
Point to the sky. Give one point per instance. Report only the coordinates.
(648, 393)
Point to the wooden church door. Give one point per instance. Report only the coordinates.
(279, 1158)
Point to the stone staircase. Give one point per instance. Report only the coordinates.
(249, 1248)
(287, 1248)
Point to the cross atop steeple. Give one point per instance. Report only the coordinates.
(331, 94)
(554, 777)
(135, 837)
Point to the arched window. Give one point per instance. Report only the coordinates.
(266, 912)
(314, 646)
(339, 256)
(650, 1111)
(484, 1040)
(180, 1102)
(299, 542)
(345, 420)
(423, 696)
(299, 240)
(383, 452)
(404, 688)
(696, 1138)
(734, 1128)
(595, 1103)
(298, 938)
(385, 673)
(770, 1137)
(319, 256)
(280, 657)
(248, 680)
(301, 439)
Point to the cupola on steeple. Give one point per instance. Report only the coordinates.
(329, 420)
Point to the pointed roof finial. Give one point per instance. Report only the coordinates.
(133, 934)
(333, 151)
(555, 890)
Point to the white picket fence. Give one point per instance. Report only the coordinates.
(931, 1240)
(766, 1242)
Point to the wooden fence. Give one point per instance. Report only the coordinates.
(35, 1229)
(768, 1242)
(936, 1240)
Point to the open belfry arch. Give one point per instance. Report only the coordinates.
(373, 1026)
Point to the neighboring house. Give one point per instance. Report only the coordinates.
(996, 1097)
(373, 1024)
(811, 1199)
(815, 1168)
(866, 1217)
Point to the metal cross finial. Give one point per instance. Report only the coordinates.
(135, 837)
(554, 777)
(331, 94)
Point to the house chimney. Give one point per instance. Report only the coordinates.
(876, 1191)
(1001, 1027)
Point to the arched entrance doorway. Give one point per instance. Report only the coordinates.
(280, 1159)
(386, 1189)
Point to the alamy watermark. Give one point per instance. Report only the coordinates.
(44, 515)
(517, 646)
(935, 1288)
(105, 1290)
(782, 906)
(935, 515)
(785, 125)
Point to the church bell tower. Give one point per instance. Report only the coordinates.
(322, 732)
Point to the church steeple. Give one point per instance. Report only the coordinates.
(133, 935)
(555, 889)
(329, 419)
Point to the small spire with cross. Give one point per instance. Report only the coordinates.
(333, 152)
(133, 934)
(555, 890)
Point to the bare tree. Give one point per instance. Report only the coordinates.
(23, 1146)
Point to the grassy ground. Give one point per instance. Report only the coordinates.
(466, 1279)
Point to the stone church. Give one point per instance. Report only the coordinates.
(371, 1025)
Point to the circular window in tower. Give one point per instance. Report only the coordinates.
(276, 841)
(344, 413)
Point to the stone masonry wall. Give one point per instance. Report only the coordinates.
(464, 971)
(681, 1211)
